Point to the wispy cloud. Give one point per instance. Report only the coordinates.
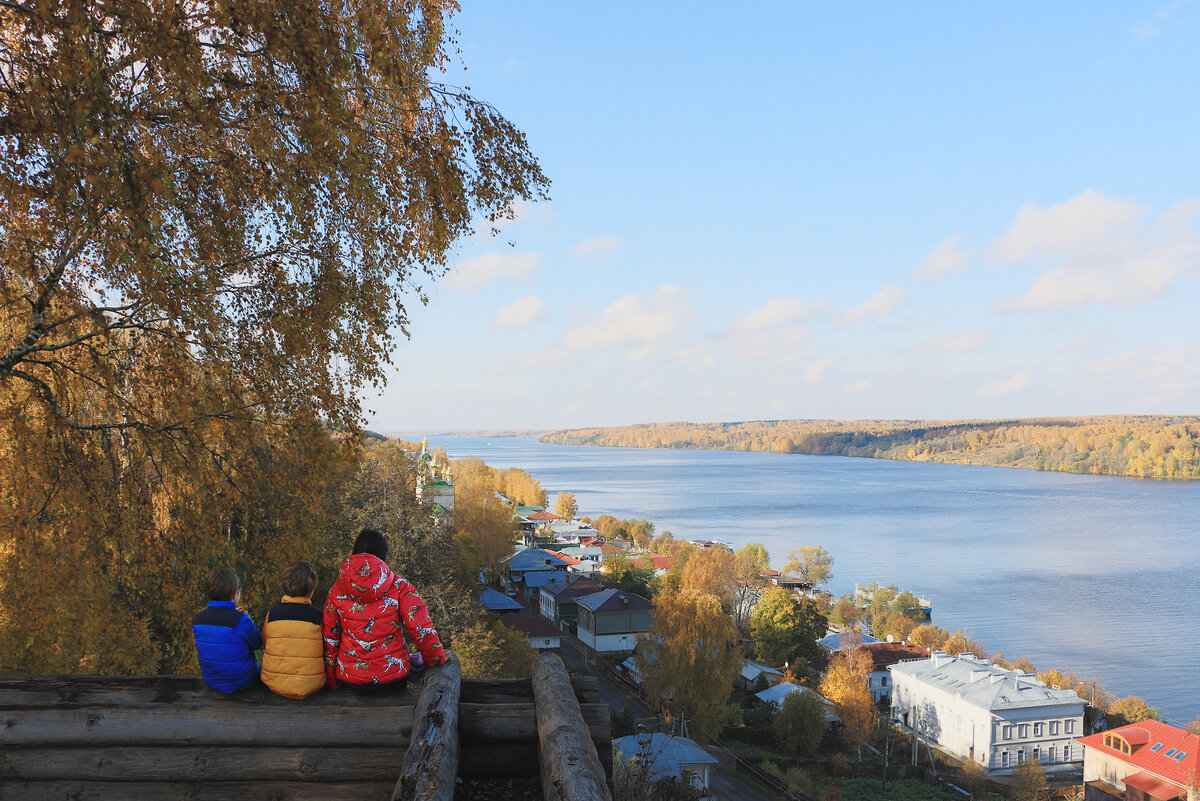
(1153, 27)
(777, 312)
(880, 306)
(600, 247)
(945, 259)
(1102, 251)
(638, 323)
(520, 313)
(1007, 386)
(479, 271)
(957, 344)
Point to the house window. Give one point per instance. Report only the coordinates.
(1020, 755)
(1070, 727)
(1023, 730)
(883, 681)
(1037, 729)
(1007, 735)
(1053, 754)
(1067, 752)
(1004, 759)
(547, 642)
(1037, 754)
(1054, 726)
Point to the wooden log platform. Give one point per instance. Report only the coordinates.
(168, 737)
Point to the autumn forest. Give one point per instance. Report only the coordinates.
(1137, 446)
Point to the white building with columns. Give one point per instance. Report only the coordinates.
(995, 717)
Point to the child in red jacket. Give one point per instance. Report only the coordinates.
(368, 611)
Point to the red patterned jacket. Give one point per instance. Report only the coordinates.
(367, 613)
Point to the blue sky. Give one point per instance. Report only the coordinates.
(824, 211)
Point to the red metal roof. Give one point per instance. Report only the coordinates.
(570, 560)
(530, 625)
(1153, 786)
(1151, 759)
(545, 516)
(889, 653)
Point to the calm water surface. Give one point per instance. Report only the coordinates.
(1098, 575)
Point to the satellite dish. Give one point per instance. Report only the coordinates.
(891, 638)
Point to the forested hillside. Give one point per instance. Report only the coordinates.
(1141, 446)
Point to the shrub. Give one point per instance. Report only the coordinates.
(731, 716)
(623, 723)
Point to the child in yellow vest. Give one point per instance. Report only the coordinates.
(293, 664)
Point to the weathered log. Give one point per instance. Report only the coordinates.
(62, 692)
(570, 767)
(194, 791)
(208, 724)
(506, 723)
(201, 763)
(513, 691)
(431, 764)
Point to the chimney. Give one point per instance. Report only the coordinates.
(978, 675)
(997, 677)
(624, 600)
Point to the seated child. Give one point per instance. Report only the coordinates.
(293, 665)
(226, 638)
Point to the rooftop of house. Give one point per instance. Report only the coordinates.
(497, 601)
(884, 654)
(1156, 748)
(526, 624)
(666, 754)
(752, 670)
(657, 560)
(983, 684)
(843, 640)
(525, 511)
(775, 695)
(567, 588)
(535, 559)
(614, 601)
(544, 516)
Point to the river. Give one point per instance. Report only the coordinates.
(1095, 574)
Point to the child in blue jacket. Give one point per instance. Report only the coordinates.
(226, 637)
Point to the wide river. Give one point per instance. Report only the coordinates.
(1093, 574)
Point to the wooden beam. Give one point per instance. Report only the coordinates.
(207, 725)
(431, 764)
(65, 691)
(201, 763)
(194, 791)
(509, 723)
(570, 767)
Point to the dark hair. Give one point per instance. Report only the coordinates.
(299, 579)
(371, 541)
(222, 584)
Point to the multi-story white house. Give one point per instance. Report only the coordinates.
(976, 710)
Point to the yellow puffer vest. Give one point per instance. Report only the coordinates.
(293, 664)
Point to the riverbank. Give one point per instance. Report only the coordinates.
(1130, 446)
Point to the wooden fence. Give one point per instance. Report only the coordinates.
(169, 737)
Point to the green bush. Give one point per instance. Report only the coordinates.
(731, 715)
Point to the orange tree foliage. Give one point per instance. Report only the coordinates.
(1126, 445)
(690, 657)
(845, 684)
(255, 185)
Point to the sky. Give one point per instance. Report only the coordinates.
(823, 210)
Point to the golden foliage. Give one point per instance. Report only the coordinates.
(845, 684)
(488, 649)
(1125, 445)
(689, 658)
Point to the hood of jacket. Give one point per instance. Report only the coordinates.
(364, 577)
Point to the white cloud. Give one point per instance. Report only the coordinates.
(815, 373)
(956, 344)
(599, 247)
(859, 387)
(946, 258)
(520, 313)
(637, 322)
(1100, 251)
(479, 271)
(1007, 386)
(776, 312)
(1158, 22)
(882, 305)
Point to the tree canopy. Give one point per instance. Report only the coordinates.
(255, 189)
(785, 628)
(810, 563)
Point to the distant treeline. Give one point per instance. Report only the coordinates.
(1141, 446)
